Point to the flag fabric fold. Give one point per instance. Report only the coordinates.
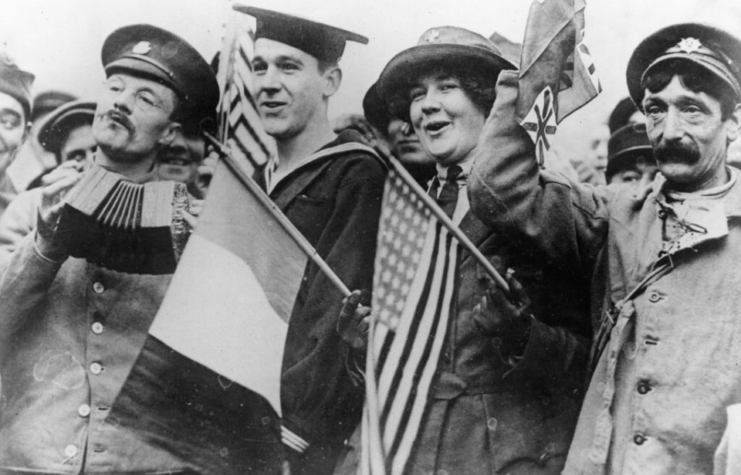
(557, 73)
(206, 384)
(413, 290)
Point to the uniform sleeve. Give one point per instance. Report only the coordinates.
(567, 221)
(321, 401)
(17, 222)
(23, 287)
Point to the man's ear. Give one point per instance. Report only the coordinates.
(332, 80)
(733, 124)
(169, 134)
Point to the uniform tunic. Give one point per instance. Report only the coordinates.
(657, 401)
(337, 210)
(488, 414)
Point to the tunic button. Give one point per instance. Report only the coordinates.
(83, 410)
(662, 214)
(265, 420)
(98, 288)
(70, 450)
(654, 297)
(97, 328)
(491, 423)
(639, 439)
(96, 368)
(643, 387)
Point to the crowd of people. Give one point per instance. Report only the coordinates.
(613, 348)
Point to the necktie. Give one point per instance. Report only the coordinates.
(448, 198)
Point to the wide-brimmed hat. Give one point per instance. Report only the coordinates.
(626, 145)
(707, 46)
(448, 46)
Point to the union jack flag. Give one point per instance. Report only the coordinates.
(413, 289)
(540, 124)
(557, 73)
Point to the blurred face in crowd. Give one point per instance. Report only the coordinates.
(13, 128)
(405, 144)
(445, 119)
(598, 148)
(132, 119)
(180, 160)
(291, 91)
(79, 146)
(638, 173)
(689, 135)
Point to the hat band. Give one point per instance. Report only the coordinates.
(711, 62)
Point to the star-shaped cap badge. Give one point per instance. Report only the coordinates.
(142, 47)
(431, 36)
(689, 45)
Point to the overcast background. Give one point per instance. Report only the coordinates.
(60, 41)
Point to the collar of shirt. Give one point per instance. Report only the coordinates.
(696, 217)
(463, 205)
(466, 166)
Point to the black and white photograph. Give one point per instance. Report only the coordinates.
(372, 237)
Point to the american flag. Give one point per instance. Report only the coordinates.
(240, 126)
(413, 289)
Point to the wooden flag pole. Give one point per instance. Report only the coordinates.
(277, 213)
(448, 223)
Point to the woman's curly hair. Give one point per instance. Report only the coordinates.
(480, 89)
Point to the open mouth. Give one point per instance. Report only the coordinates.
(436, 127)
(183, 162)
(272, 105)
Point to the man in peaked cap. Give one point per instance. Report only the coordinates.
(71, 330)
(15, 111)
(67, 134)
(630, 158)
(330, 187)
(662, 260)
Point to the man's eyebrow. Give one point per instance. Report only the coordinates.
(14, 112)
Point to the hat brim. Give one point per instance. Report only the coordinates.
(408, 65)
(143, 69)
(622, 159)
(653, 46)
(71, 113)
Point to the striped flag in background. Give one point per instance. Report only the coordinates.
(237, 111)
(413, 288)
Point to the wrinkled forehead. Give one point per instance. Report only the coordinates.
(9, 103)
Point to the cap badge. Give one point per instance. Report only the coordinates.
(431, 36)
(142, 47)
(689, 45)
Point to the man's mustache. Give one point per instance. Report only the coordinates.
(120, 118)
(677, 152)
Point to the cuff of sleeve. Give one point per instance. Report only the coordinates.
(41, 254)
(537, 350)
(293, 440)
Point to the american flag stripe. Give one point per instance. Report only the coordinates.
(399, 452)
(414, 288)
(241, 126)
(409, 352)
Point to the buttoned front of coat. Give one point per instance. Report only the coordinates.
(70, 334)
(658, 397)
